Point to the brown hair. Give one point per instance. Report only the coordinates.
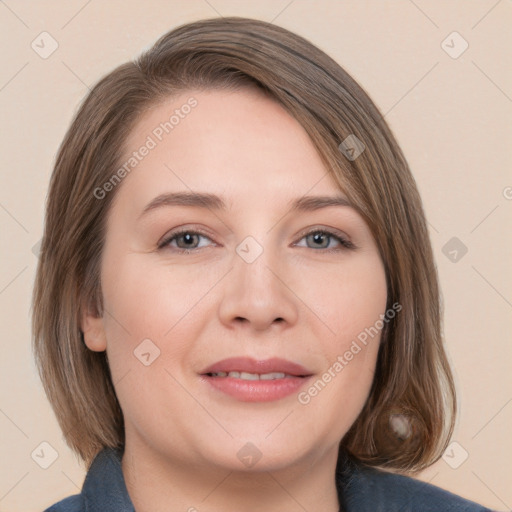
(412, 382)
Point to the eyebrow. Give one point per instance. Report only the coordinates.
(310, 203)
(214, 202)
(192, 199)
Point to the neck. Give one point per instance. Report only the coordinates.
(156, 484)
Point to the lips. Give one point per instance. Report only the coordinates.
(250, 380)
(253, 366)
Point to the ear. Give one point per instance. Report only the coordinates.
(94, 331)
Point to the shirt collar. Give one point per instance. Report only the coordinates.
(104, 488)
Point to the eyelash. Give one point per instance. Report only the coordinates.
(345, 244)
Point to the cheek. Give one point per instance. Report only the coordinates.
(148, 297)
(151, 327)
(147, 300)
(348, 300)
(351, 347)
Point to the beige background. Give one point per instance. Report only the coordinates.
(450, 115)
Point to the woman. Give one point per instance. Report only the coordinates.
(236, 305)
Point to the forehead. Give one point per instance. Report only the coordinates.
(224, 140)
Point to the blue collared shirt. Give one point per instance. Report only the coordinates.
(360, 489)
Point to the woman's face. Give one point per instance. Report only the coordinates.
(230, 249)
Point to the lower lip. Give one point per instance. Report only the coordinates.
(257, 390)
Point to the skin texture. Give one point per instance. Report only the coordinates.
(301, 299)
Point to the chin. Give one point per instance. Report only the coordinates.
(259, 453)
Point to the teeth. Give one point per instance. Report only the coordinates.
(271, 376)
(251, 376)
(247, 376)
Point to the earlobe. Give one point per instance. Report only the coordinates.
(93, 332)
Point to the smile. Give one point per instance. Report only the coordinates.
(252, 376)
(250, 380)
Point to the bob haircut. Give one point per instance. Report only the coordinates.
(413, 385)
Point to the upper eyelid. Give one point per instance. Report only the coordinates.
(320, 229)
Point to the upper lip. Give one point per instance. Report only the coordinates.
(246, 364)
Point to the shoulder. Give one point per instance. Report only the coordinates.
(70, 504)
(368, 489)
(104, 488)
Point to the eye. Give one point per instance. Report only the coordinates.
(184, 240)
(188, 240)
(324, 239)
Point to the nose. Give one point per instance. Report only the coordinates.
(257, 294)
